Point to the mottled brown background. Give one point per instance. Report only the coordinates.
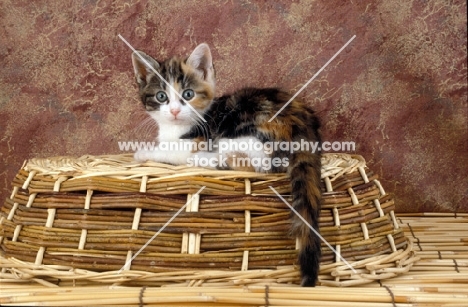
(399, 90)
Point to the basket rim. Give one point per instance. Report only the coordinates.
(124, 166)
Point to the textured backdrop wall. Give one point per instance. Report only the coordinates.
(399, 90)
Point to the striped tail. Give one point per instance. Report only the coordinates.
(305, 174)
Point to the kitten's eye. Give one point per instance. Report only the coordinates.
(161, 97)
(188, 94)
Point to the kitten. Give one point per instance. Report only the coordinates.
(188, 110)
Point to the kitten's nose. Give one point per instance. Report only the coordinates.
(175, 112)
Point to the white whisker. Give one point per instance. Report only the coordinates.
(147, 128)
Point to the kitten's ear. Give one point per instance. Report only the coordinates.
(201, 60)
(143, 66)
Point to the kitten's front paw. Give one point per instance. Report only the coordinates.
(207, 159)
(143, 155)
(163, 156)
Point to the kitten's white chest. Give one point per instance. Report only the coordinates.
(169, 132)
(170, 135)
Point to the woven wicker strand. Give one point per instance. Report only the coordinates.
(90, 217)
(245, 256)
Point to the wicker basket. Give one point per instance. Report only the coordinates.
(110, 219)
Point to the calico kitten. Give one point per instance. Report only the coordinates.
(188, 110)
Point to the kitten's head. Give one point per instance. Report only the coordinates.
(187, 89)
